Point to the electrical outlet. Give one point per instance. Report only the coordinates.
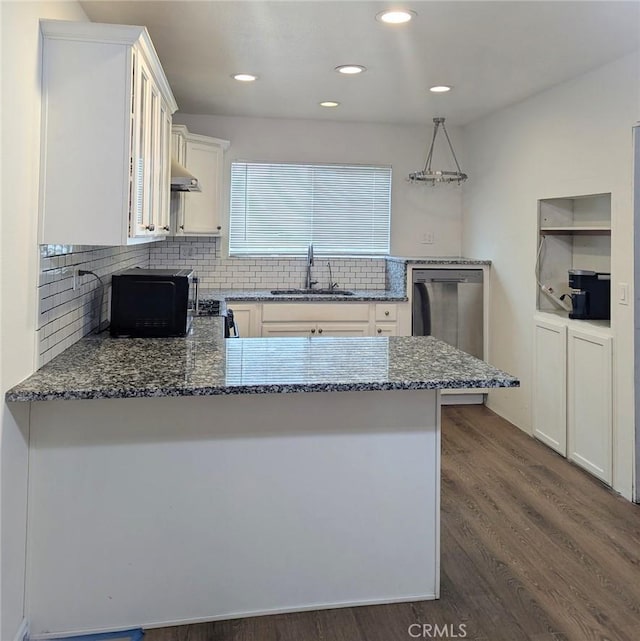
(559, 302)
(187, 250)
(427, 238)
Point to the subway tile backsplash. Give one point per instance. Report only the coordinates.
(66, 314)
(218, 272)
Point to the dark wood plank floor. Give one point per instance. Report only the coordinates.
(532, 549)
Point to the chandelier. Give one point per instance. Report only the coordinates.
(433, 176)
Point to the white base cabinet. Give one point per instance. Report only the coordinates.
(589, 416)
(328, 319)
(247, 318)
(315, 319)
(287, 319)
(550, 384)
(572, 391)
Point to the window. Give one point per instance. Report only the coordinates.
(279, 208)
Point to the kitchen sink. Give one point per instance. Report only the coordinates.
(306, 292)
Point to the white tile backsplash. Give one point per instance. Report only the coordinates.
(67, 314)
(218, 272)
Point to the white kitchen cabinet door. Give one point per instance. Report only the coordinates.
(103, 153)
(162, 217)
(146, 117)
(590, 422)
(247, 318)
(550, 384)
(200, 213)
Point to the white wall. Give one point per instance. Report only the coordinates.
(572, 139)
(19, 261)
(416, 209)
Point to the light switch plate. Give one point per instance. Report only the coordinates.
(623, 293)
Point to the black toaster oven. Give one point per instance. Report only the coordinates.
(153, 302)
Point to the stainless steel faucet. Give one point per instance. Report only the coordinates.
(310, 283)
(331, 285)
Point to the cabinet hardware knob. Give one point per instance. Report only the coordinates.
(166, 228)
(379, 331)
(181, 226)
(320, 331)
(151, 227)
(313, 331)
(219, 227)
(386, 313)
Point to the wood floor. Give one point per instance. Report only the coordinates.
(532, 549)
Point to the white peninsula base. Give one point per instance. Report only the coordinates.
(159, 511)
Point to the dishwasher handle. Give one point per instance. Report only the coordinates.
(459, 276)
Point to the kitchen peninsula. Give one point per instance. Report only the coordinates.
(193, 479)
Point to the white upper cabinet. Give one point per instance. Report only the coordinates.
(199, 213)
(106, 136)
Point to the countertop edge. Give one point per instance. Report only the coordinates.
(284, 388)
(438, 260)
(265, 296)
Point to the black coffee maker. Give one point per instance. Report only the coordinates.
(590, 295)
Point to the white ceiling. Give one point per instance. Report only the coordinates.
(493, 53)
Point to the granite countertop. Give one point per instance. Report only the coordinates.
(438, 260)
(265, 295)
(204, 363)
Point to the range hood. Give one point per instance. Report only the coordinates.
(182, 179)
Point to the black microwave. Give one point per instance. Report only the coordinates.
(153, 302)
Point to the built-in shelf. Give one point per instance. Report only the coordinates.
(574, 232)
(561, 231)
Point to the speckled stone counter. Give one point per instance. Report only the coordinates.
(265, 295)
(398, 266)
(185, 485)
(204, 364)
(438, 260)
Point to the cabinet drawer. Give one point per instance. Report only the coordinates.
(386, 312)
(315, 312)
(386, 329)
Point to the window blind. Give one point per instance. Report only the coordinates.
(279, 208)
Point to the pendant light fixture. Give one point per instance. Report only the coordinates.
(433, 176)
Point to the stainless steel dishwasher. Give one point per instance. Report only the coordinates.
(447, 304)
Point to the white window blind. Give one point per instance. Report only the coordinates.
(279, 208)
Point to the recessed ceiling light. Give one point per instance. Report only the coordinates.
(244, 77)
(440, 88)
(329, 103)
(350, 69)
(395, 16)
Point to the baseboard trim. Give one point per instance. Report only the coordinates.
(304, 608)
(242, 615)
(22, 633)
